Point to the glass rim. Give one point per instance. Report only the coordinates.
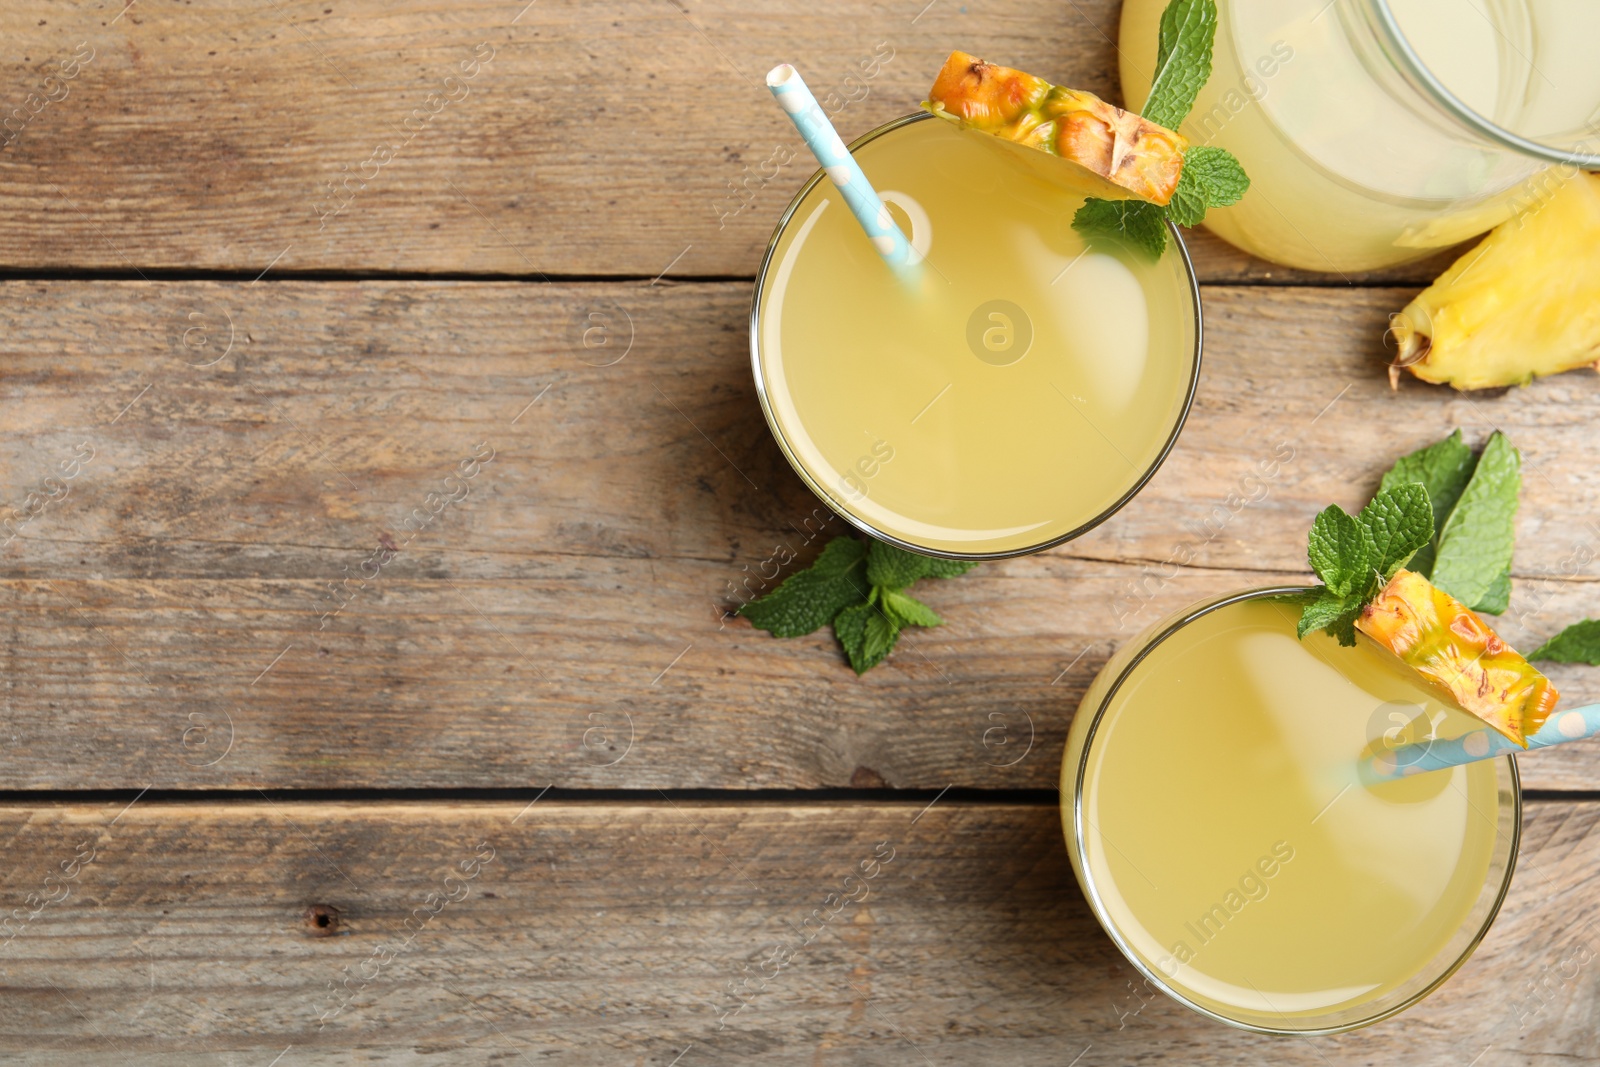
(1417, 72)
(867, 528)
(1102, 914)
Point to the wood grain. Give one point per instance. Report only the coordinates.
(178, 594)
(603, 933)
(206, 135)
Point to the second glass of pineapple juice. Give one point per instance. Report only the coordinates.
(1007, 395)
(1218, 829)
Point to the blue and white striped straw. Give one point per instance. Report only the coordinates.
(819, 135)
(1486, 743)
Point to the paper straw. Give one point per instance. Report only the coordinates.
(819, 135)
(1486, 743)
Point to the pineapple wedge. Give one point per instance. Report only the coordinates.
(1437, 636)
(1132, 153)
(1522, 304)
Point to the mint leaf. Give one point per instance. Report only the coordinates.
(1333, 613)
(850, 627)
(948, 568)
(1578, 643)
(809, 599)
(1400, 521)
(1137, 224)
(1443, 468)
(1183, 60)
(906, 610)
(1341, 551)
(1210, 178)
(866, 634)
(1344, 627)
(894, 568)
(1217, 172)
(1498, 598)
(881, 634)
(1321, 612)
(1476, 541)
(1188, 204)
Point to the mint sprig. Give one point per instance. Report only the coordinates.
(1578, 643)
(1211, 176)
(1355, 555)
(1441, 511)
(861, 589)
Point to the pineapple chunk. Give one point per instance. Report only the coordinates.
(1437, 636)
(1522, 304)
(1132, 153)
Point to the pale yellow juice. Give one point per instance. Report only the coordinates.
(1008, 394)
(1233, 852)
(1346, 177)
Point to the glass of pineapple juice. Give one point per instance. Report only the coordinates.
(1375, 131)
(1218, 830)
(1007, 395)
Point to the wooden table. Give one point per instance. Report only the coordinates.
(321, 749)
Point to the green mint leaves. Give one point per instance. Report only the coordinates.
(1578, 643)
(1442, 511)
(1211, 176)
(1474, 506)
(1183, 60)
(1355, 555)
(860, 589)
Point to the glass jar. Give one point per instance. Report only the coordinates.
(1376, 131)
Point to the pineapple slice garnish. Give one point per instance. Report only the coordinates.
(1441, 639)
(1135, 155)
(1524, 303)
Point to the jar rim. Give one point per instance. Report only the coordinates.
(1417, 72)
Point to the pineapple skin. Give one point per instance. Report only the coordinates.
(1132, 153)
(1441, 639)
(1523, 304)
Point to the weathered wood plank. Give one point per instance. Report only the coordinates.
(610, 933)
(584, 572)
(322, 413)
(349, 136)
(597, 674)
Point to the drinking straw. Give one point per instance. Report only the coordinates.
(1486, 743)
(789, 89)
